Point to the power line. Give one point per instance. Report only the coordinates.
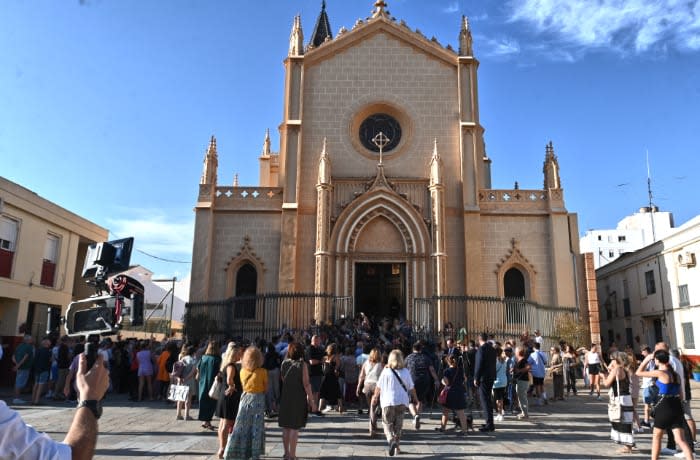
(162, 259)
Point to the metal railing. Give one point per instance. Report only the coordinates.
(503, 317)
(266, 315)
(263, 315)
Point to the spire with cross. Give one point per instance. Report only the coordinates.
(381, 141)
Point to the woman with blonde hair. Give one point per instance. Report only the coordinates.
(369, 374)
(394, 392)
(227, 405)
(248, 438)
(619, 380)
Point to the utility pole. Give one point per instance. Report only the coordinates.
(169, 328)
(651, 204)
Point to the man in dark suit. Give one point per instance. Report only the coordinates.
(484, 376)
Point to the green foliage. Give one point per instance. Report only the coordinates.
(570, 329)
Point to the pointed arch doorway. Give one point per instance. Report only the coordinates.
(514, 284)
(515, 295)
(380, 289)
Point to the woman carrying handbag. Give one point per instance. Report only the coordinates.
(620, 410)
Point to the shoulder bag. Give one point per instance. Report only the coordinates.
(442, 397)
(400, 381)
(216, 387)
(614, 404)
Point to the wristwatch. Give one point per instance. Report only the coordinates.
(94, 406)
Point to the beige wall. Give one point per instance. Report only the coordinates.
(263, 231)
(37, 219)
(338, 88)
(532, 236)
(667, 259)
(328, 91)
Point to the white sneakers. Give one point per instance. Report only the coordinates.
(498, 418)
(327, 409)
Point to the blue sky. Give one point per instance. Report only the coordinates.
(106, 106)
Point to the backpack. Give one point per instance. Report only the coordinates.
(177, 368)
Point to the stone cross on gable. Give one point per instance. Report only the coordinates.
(380, 140)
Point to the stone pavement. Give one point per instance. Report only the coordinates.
(576, 428)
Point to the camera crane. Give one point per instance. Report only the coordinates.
(103, 312)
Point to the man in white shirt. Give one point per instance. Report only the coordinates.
(538, 337)
(20, 441)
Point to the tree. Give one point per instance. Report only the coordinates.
(569, 329)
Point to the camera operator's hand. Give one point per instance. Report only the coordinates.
(92, 383)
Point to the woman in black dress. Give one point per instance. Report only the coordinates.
(669, 410)
(227, 405)
(453, 378)
(330, 388)
(295, 399)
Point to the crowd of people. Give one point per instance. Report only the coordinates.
(382, 370)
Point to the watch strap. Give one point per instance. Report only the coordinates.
(94, 406)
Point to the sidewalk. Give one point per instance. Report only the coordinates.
(573, 429)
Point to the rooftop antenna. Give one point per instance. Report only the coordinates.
(651, 205)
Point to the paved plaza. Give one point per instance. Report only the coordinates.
(576, 428)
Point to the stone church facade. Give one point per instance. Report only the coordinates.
(381, 189)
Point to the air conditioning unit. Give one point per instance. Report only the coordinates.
(686, 259)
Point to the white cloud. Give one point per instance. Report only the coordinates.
(499, 47)
(479, 17)
(451, 8)
(156, 232)
(625, 26)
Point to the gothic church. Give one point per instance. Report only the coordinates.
(381, 189)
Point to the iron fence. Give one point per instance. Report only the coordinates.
(469, 315)
(263, 315)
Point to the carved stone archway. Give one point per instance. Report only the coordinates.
(246, 255)
(515, 259)
(360, 235)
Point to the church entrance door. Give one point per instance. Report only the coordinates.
(380, 289)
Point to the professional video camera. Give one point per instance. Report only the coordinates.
(102, 313)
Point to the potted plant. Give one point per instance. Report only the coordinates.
(696, 372)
